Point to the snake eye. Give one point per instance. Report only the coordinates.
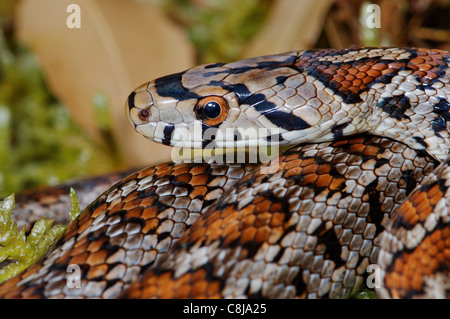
(212, 110)
(144, 115)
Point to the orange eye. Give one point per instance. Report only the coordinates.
(212, 110)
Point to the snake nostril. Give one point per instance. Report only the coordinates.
(144, 114)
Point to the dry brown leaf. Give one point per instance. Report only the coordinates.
(292, 25)
(120, 45)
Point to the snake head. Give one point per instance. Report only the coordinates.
(247, 103)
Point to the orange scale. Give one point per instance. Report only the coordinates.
(309, 169)
(431, 75)
(374, 73)
(357, 82)
(323, 169)
(336, 184)
(292, 172)
(79, 259)
(324, 180)
(135, 212)
(164, 170)
(199, 180)
(417, 61)
(231, 237)
(98, 257)
(346, 83)
(308, 180)
(293, 163)
(353, 70)
(263, 219)
(147, 292)
(370, 151)
(365, 67)
(149, 200)
(199, 288)
(380, 66)
(338, 78)
(247, 235)
(97, 271)
(416, 281)
(198, 192)
(277, 219)
(275, 207)
(97, 244)
(150, 224)
(183, 178)
(198, 170)
(248, 220)
(263, 206)
(150, 212)
(368, 79)
(181, 170)
(83, 227)
(350, 77)
(146, 172)
(99, 210)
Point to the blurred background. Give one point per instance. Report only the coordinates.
(63, 89)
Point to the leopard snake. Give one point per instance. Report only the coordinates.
(365, 126)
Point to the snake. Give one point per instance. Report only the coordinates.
(361, 182)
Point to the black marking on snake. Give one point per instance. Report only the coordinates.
(399, 222)
(442, 109)
(214, 65)
(287, 121)
(299, 284)
(168, 130)
(338, 129)
(267, 65)
(376, 212)
(281, 79)
(420, 141)
(333, 248)
(171, 86)
(395, 106)
(240, 89)
(409, 179)
(131, 100)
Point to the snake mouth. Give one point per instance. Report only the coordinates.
(195, 135)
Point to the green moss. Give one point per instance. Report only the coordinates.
(18, 251)
(74, 205)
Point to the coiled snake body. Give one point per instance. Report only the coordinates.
(308, 223)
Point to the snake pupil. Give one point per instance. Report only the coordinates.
(212, 110)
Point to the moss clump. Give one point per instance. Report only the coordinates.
(17, 250)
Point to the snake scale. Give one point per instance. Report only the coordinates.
(365, 182)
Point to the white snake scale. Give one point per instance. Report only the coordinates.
(307, 224)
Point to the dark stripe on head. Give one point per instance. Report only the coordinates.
(131, 100)
(287, 121)
(168, 130)
(259, 103)
(171, 86)
(213, 65)
(268, 65)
